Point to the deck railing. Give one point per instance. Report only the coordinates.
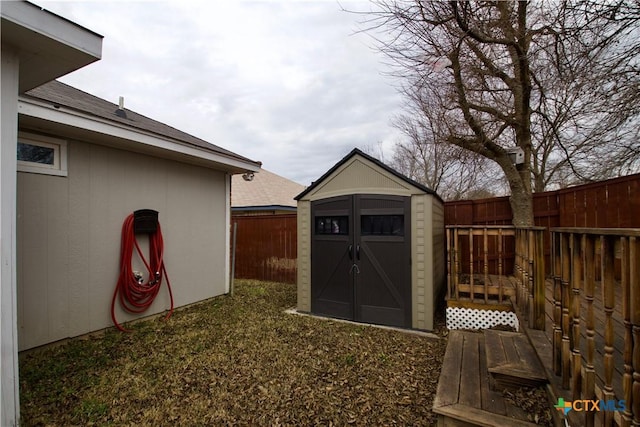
(484, 262)
(596, 319)
(530, 275)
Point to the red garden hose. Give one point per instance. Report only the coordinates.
(134, 294)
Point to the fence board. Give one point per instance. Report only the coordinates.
(608, 204)
(266, 247)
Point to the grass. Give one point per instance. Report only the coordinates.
(235, 360)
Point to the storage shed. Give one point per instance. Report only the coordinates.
(371, 246)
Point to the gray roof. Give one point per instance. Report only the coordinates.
(58, 93)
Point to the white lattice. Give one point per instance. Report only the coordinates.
(469, 318)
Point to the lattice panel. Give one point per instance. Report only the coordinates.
(469, 318)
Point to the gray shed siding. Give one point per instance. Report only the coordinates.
(68, 237)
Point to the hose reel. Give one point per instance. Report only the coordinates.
(134, 293)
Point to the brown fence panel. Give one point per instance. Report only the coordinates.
(614, 203)
(266, 247)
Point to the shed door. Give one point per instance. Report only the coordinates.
(360, 259)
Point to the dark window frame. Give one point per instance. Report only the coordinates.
(331, 225)
(391, 225)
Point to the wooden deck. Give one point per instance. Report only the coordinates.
(588, 340)
(511, 361)
(465, 394)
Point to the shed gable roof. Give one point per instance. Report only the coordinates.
(359, 172)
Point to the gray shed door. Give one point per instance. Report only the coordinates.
(360, 258)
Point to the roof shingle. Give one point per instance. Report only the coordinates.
(266, 189)
(60, 94)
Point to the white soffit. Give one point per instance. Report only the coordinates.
(48, 45)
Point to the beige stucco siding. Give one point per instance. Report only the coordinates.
(69, 237)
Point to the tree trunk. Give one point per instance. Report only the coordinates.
(521, 200)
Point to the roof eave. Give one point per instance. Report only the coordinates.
(50, 119)
(48, 45)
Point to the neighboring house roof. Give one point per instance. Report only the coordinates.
(60, 95)
(266, 191)
(357, 152)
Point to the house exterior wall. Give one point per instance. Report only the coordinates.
(69, 237)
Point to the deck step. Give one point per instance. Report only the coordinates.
(464, 396)
(512, 361)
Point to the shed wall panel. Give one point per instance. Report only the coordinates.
(70, 229)
(304, 256)
(419, 267)
(439, 272)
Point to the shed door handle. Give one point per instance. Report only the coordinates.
(358, 252)
(350, 252)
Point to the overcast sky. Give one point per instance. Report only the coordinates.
(289, 83)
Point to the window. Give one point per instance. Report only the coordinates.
(332, 225)
(41, 154)
(382, 225)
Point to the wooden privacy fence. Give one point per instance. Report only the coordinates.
(607, 204)
(480, 272)
(596, 319)
(266, 247)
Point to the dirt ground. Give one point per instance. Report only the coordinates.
(237, 360)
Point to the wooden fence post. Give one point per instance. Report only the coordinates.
(576, 277)
(557, 303)
(608, 288)
(588, 250)
(539, 282)
(449, 231)
(634, 315)
(566, 343)
(627, 377)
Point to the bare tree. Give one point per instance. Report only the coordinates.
(585, 101)
(555, 80)
(454, 173)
